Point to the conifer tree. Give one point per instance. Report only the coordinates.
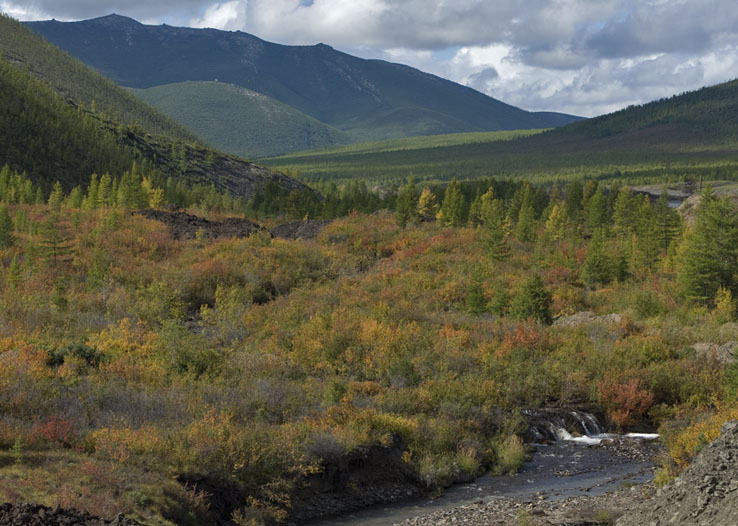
(496, 225)
(526, 227)
(667, 222)
(14, 274)
(622, 215)
(646, 233)
(574, 200)
(597, 216)
(533, 300)
(56, 198)
(597, 268)
(406, 207)
(556, 222)
(475, 301)
(708, 255)
(475, 210)
(427, 205)
(453, 208)
(7, 237)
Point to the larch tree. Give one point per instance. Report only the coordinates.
(452, 211)
(427, 205)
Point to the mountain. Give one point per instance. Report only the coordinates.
(240, 121)
(59, 120)
(692, 133)
(367, 99)
(77, 83)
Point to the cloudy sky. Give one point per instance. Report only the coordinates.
(585, 57)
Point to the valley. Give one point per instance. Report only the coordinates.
(302, 287)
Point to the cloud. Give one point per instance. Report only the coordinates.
(226, 15)
(578, 56)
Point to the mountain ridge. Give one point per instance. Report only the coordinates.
(358, 96)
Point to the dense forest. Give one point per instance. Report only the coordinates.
(689, 134)
(132, 361)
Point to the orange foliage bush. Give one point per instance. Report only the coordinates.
(625, 402)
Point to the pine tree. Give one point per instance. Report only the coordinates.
(7, 237)
(427, 206)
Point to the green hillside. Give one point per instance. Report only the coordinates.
(368, 99)
(75, 82)
(693, 133)
(240, 121)
(51, 140)
(51, 135)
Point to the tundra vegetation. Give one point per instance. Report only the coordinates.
(133, 366)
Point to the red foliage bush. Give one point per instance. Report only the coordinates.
(625, 402)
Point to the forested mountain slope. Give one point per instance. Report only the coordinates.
(79, 84)
(55, 128)
(240, 121)
(693, 133)
(367, 98)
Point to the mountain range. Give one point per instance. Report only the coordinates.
(364, 99)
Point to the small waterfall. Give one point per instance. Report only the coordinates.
(550, 425)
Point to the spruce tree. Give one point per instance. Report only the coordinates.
(708, 255)
(495, 225)
(532, 301)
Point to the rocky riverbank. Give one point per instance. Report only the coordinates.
(539, 510)
(37, 515)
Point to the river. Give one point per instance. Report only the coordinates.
(565, 468)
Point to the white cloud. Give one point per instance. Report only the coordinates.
(23, 12)
(223, 15)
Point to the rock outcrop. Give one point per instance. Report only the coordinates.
(705, 494)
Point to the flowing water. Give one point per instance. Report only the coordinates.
(570, 466)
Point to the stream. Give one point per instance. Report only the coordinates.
(570, 466)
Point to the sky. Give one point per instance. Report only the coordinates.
(584, 57)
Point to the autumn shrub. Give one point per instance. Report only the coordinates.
(625, 402)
